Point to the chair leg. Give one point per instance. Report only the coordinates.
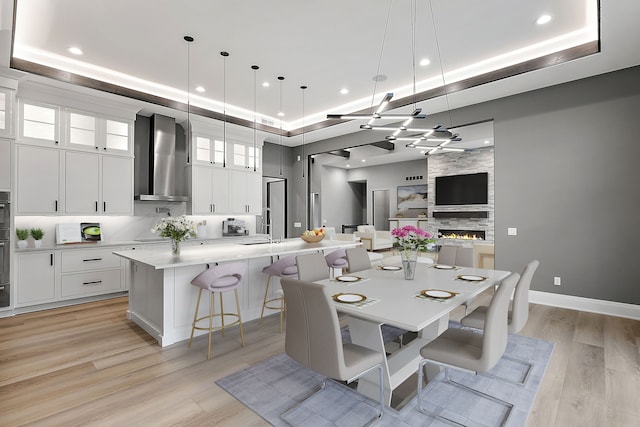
(239, 318)
(211, 302)
(221, 315)
(421, 365)
(507, 380)
(264, 301)
(195, 318)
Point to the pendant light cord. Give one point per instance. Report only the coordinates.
(224, 107)
(384, 38)
(281, 78)
(444, 84)
(255, 109)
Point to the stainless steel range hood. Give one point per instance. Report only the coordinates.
(156, 162)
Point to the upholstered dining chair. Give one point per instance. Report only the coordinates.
(218, 278)
(313, 338)
(358, 259)
(471, 351)
(312, 267)
(519, 313)
(464, 257)
(447, 255)
(284, 267)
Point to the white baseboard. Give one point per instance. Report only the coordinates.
(610, 308)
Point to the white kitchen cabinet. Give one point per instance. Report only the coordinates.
(36, 278)
(117, 185)
(82, 183)
(208, 150)
(88, 131)
(209, 190)
(39, 123)
(5, 165)
(245, 192)
(96, 184)
(38, 185)
(245, 156)
(64, 275)
(7, 97)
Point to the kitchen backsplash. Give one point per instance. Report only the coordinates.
(127, 228)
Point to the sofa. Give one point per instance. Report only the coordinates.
(373, 239)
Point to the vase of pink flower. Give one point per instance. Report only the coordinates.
(411, 241)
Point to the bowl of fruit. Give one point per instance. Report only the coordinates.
(313, 236)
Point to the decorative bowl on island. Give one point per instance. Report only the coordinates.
(313, 236)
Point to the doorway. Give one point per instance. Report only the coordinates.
(274, 216)
(380, 206)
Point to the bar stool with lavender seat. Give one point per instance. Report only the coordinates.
(284, 267)
(337, 260)
(218, 278)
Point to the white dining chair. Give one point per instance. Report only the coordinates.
(358, 259)
(312, 267)
(469, 350)
(314, 340)
(447, 255)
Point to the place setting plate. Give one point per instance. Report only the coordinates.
(348, 279)
(349, 298)
(390, 268)
(444, 267)
(437, 293)
(471, 278)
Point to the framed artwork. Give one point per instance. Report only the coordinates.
(412, 196)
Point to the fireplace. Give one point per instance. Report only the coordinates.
(461, 234)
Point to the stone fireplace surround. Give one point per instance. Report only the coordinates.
(463, 217)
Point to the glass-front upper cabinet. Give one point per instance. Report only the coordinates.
(93, 132)
(39, 123)
(208, 150)
(6, 111)
(245, 156)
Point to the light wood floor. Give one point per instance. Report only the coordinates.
(89, 365)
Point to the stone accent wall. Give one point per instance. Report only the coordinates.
(480, 160)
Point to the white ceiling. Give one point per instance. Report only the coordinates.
(328, 46)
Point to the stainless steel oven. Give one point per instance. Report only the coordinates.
(5, 247)
(5, 214)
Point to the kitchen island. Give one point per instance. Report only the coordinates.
(162, 299)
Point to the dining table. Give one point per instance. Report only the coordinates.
(382, 296)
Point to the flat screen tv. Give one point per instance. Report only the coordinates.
(469, 189)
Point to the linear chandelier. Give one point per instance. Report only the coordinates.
(433, 139)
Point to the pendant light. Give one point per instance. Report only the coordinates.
(255, 69)
(189, 40)
(303, 87)
(225, 55)
(281, 114)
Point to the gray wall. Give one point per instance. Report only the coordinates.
(274, 155)
(566, 175)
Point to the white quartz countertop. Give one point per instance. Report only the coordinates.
(161, 257)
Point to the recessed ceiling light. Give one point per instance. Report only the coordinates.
(487, 142)
(544, 19)
(75, 50)
(344, 91)
(200, 89)
(363, 160)
(280, 114)
(424, 62)
(265, 84)
(348, 166)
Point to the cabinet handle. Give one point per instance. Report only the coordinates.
(96, 206)
(51, 259)
(95, 282)
(104, 206)
(214, 207)
(56, 207)
(92, 259)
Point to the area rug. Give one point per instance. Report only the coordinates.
(274, 386)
